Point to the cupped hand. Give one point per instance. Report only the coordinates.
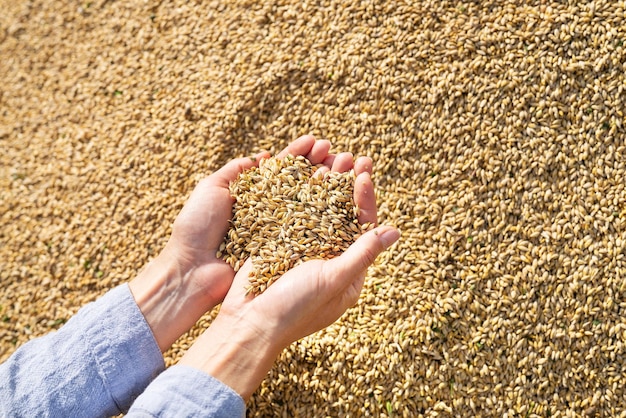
(308, 297)
(202, 224)
(187, 279)
(315, 294)
(249, 332)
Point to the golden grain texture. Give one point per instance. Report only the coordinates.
(497, 133)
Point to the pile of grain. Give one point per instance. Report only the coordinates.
(284, 214)
(497, 131)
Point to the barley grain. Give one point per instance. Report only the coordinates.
(497, 136)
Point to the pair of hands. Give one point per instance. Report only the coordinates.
(249, 332)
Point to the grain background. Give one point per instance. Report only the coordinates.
(497, 133)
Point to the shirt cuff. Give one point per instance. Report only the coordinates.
(183, 391)
(124, 349)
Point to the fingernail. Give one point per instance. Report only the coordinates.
(388, 236)
(259, 156)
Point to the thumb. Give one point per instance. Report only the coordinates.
(360, 255)
(229, 172)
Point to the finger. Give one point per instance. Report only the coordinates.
(301, 146)
(359, 256)
(231, 170)
(329, 160)
(363, 165)
(319, 151)
(343, 162)
(365, 199)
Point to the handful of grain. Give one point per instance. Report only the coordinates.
(284, 215)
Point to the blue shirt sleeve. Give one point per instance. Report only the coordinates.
(183, 391)
(95, 365)
(99, 363)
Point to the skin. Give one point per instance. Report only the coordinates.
(187, 279)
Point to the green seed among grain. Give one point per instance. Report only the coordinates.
(284, 214)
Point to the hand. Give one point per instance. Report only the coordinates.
(249, 332)
(187, 279)
(202, 224)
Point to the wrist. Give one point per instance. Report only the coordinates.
(169, 302)
(234, 352)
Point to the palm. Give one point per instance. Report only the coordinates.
(315, 299)
(203, 222)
